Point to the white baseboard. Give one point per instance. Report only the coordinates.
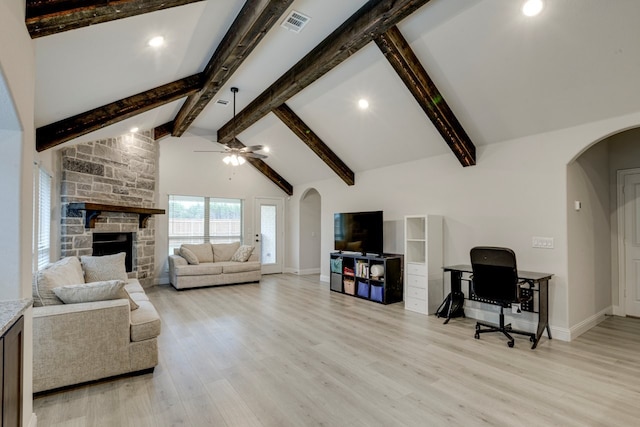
(531, 324)
(33, 422)
(589, 323)
(618, 311)
(305, 272)
(324, 278)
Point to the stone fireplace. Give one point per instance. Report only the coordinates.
(119, 171)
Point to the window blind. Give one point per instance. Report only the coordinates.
(44, 218)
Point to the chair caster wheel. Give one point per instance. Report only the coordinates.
(477, 336)
(511, 344)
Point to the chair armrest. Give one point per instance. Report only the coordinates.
(175, 260)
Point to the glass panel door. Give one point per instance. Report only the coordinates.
(270, 234)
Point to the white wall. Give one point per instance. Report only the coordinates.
(589, 249)
(17, 65)
(184, 172)
(517, 190)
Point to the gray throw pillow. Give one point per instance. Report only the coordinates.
(95, 291)
(188, 254)
(106, 267)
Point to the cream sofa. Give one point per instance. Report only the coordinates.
(194, 266)
(81, 342)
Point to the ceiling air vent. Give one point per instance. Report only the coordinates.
(222, 102)
(295, 21)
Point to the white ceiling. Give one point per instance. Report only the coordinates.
(504, 75)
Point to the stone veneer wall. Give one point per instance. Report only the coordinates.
(117, 171)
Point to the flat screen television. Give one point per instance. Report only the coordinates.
(358, 232)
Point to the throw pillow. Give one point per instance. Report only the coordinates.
(224, 251)
(202, 251)
(188, 254)
(243, 253)
(66, 271)
(95, 291)
(106, 267)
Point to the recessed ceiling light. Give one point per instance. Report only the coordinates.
(134, 130)
(532, 7)
(266, 149)
(156, 41)
(363, 104)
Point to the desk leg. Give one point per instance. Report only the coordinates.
(543, 312)
(456, 286)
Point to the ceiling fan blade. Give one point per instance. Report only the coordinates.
(251, 148)
(208, 151)
(254, 155)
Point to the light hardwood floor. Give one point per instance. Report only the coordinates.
(288, 352)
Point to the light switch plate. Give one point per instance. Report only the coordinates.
(542, 242)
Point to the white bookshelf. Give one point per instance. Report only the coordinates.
(423, 257)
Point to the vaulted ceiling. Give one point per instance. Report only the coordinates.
(441, 76)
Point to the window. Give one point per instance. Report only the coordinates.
(42, 219)
(195, 219)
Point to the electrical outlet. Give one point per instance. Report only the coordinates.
(542, 242)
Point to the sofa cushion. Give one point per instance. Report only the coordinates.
(66, 271)
(202, 251)
(145, 322)
(243, 253)
(187, 254)
(133, 286)
(198, 270)
(224, 251)
(106, 267)
(94, 291)
(239, 267)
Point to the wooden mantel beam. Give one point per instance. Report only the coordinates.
(402, 58)
(65, 130)
(250, 26)
(313, 141)
(370, 21)
(47, 17)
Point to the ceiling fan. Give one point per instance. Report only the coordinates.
(237, 154)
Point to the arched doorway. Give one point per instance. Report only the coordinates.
(598, 256)
(310, 231)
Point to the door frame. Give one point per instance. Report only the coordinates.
(280, 237)
(620, 309)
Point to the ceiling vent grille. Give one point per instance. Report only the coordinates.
(222, 102)
(295, 21)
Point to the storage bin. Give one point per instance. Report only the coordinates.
(363, 289)
(349, 287)
(377, 293)
(336, 282)
(336, 265)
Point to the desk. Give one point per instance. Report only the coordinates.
(540, 286)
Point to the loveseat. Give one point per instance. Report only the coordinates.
(90, 322)
(212, 264)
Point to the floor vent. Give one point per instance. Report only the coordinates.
(222, 102)
(295, 21)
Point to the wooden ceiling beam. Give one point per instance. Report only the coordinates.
(370, 21)
(408, 67)
(313, 141)
(253, 22)
(267, 171)
(47, 17)
(67, 129)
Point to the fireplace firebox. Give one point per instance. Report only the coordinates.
(113, 243)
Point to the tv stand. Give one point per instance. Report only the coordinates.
(373, 277)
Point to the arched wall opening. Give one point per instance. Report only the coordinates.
(593, 241)
(310, 232)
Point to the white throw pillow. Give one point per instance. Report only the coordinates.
(106, 267)
(188, 254)
(95, 291)
(66, 271)
(242, 254)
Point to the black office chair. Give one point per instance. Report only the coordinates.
(495, 280)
